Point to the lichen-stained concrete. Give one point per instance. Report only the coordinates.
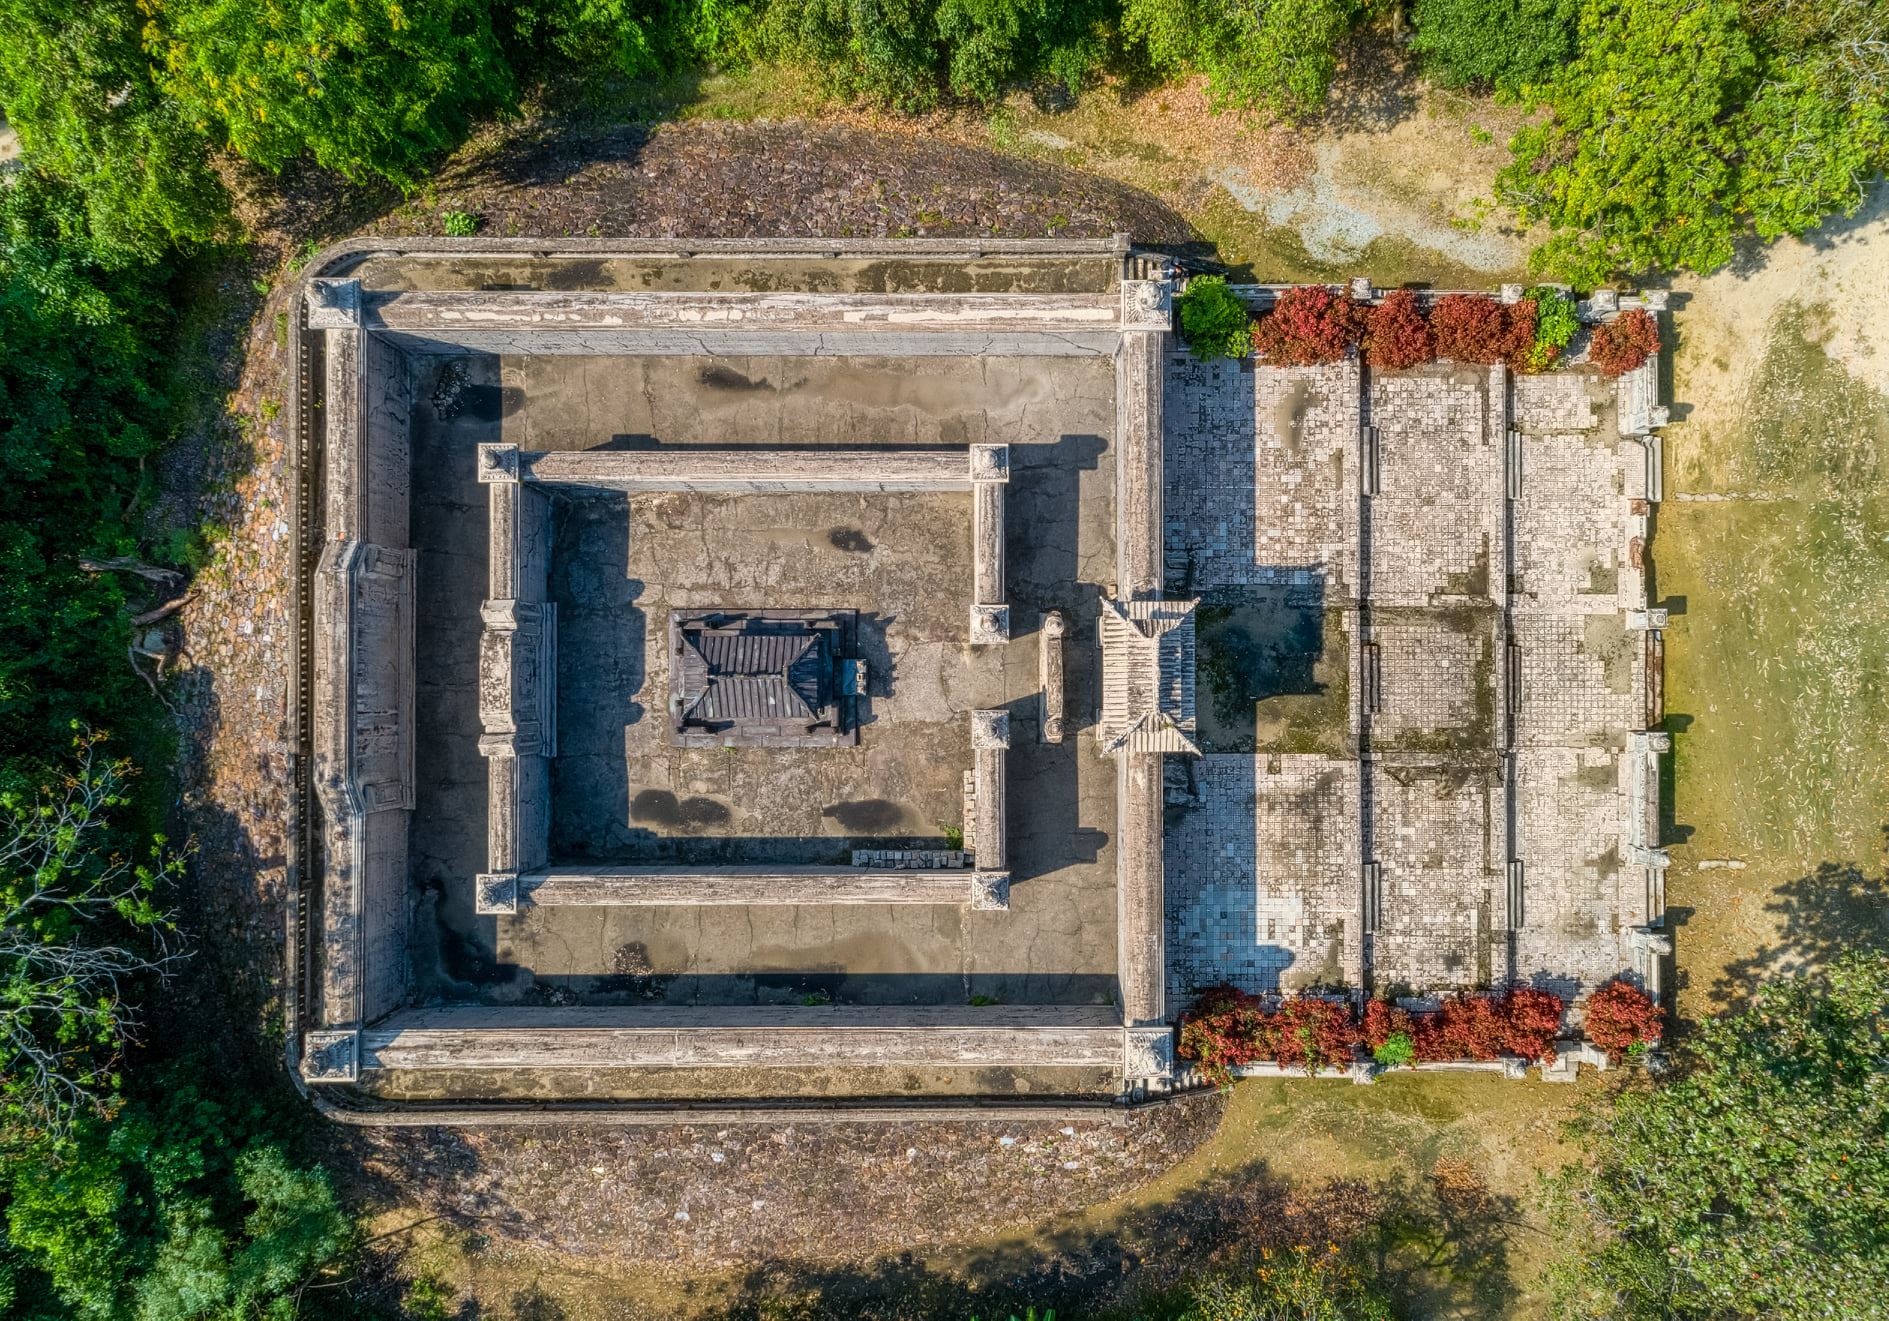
(1473, 543)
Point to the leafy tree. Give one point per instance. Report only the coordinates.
(1214, 322)
(82, 406)
(1684, 125)
(180, 1207)
(76, 85)
(547, 37)
(72, 908)
(1275, 55)
(367, 87)
(1751, 1184)
(995, 42)
(1504, 46)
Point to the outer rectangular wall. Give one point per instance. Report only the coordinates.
(364, 679)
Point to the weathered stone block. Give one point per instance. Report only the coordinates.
(334, 304)
(1147, 1054)
(990, 463)
(990, 891)
(498, 463)
(990, 624)
(331, 1056)
(495, 892)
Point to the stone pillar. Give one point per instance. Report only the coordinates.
(1140, 887)
(990, 614)
(1055, 624)
(518, 679)
(990, 744)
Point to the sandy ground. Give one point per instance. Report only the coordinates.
(1723, 323)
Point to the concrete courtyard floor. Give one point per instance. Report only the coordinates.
(621, 793)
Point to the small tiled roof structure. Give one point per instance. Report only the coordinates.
(1147, 676)
(767, 677)
(734, 673)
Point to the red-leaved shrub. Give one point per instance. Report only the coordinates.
(1624, 343)
(1620, 1015)
(1396, 333)
(1532, 1021)
(1381, 1019)
(1307, 325)
(1227, 1028)
(1476, 328)
(1479, 1027)
(1314, 1034)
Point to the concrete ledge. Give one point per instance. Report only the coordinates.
(607, 887)
(428, 311)
(749, 470)
(674, 1036)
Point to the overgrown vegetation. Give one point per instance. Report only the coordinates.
(1226, 1028)
(1752, 1184)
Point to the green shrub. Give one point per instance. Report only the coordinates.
(461, 224)
(1555, 327)
(1214, 322)
(1398, 1050)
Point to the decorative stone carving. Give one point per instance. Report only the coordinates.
(1055, 624)
(334, 304)
(331, 1056)
(990, 623)
(1147, 305)
(495, 892)
(518, 679)
(1147, 1054)
(498, 463)
(990, 463)
(1147, 676)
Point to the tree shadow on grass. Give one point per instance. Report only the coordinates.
(1836, 908)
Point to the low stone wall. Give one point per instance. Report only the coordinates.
(746, 1037)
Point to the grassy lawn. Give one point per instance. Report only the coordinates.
(1776, 671)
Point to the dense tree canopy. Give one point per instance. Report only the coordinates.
(1753, 1184)
(1683, 125)
(1277, 55)
(1500, 45)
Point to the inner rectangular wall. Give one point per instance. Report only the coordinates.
(909, 557)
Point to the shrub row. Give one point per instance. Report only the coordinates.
(1312, 324)
(1226, 1028)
